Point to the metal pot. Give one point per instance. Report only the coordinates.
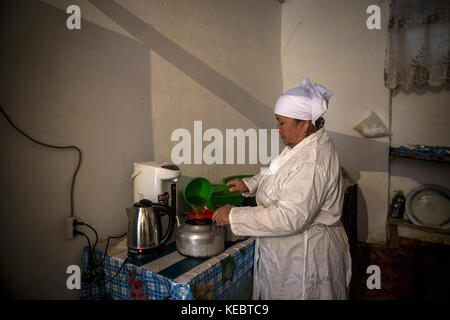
(199, 238)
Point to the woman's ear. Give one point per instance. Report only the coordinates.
(306, 125)
(299, 123)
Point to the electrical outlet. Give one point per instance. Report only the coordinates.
(69, 227)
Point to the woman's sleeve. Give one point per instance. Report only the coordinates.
(252, 185)
(300, 202)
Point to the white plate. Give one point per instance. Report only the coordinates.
(429, 205)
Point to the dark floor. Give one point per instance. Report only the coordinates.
(415, 270)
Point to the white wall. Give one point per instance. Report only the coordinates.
(329, 42)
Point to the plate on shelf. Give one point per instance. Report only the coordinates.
(429, 205)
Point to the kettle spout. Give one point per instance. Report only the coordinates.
(129, 212)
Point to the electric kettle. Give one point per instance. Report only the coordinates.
(144, 228)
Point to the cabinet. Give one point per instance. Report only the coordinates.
(425, 153)
(350, 211)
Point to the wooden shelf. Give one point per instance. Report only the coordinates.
(425, 153)
(407, 224)
(393, 223)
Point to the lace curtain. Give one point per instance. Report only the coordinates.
(418, 49)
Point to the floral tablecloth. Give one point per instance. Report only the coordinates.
(172, 276)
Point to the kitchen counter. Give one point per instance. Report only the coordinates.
(170, 275)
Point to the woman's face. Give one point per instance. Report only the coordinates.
(291, 131)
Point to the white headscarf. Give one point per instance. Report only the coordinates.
(306, 102)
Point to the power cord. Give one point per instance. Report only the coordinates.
(104, 256)
(120, 269)
(54, 147)
(95, 273)
(76, 232)
(80, 223)
(107, 244)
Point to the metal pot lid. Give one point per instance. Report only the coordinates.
(429, 205)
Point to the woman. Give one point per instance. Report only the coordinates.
(301, 249)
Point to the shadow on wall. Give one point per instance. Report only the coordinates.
(358, 154)
(151, 39)
(367, 157)
(421, 171)
(235, 96)
(88, 88)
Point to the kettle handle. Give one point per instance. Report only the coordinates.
(171, 214)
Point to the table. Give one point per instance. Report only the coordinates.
(228, 275)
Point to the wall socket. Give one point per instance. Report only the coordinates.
(69, 227)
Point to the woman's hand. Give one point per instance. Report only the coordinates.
(239, 185)
(222, 215)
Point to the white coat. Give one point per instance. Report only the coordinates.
(301, 249)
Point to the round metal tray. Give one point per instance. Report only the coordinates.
(429, 205)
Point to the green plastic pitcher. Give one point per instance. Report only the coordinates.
(200, 194)
(197, 193)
